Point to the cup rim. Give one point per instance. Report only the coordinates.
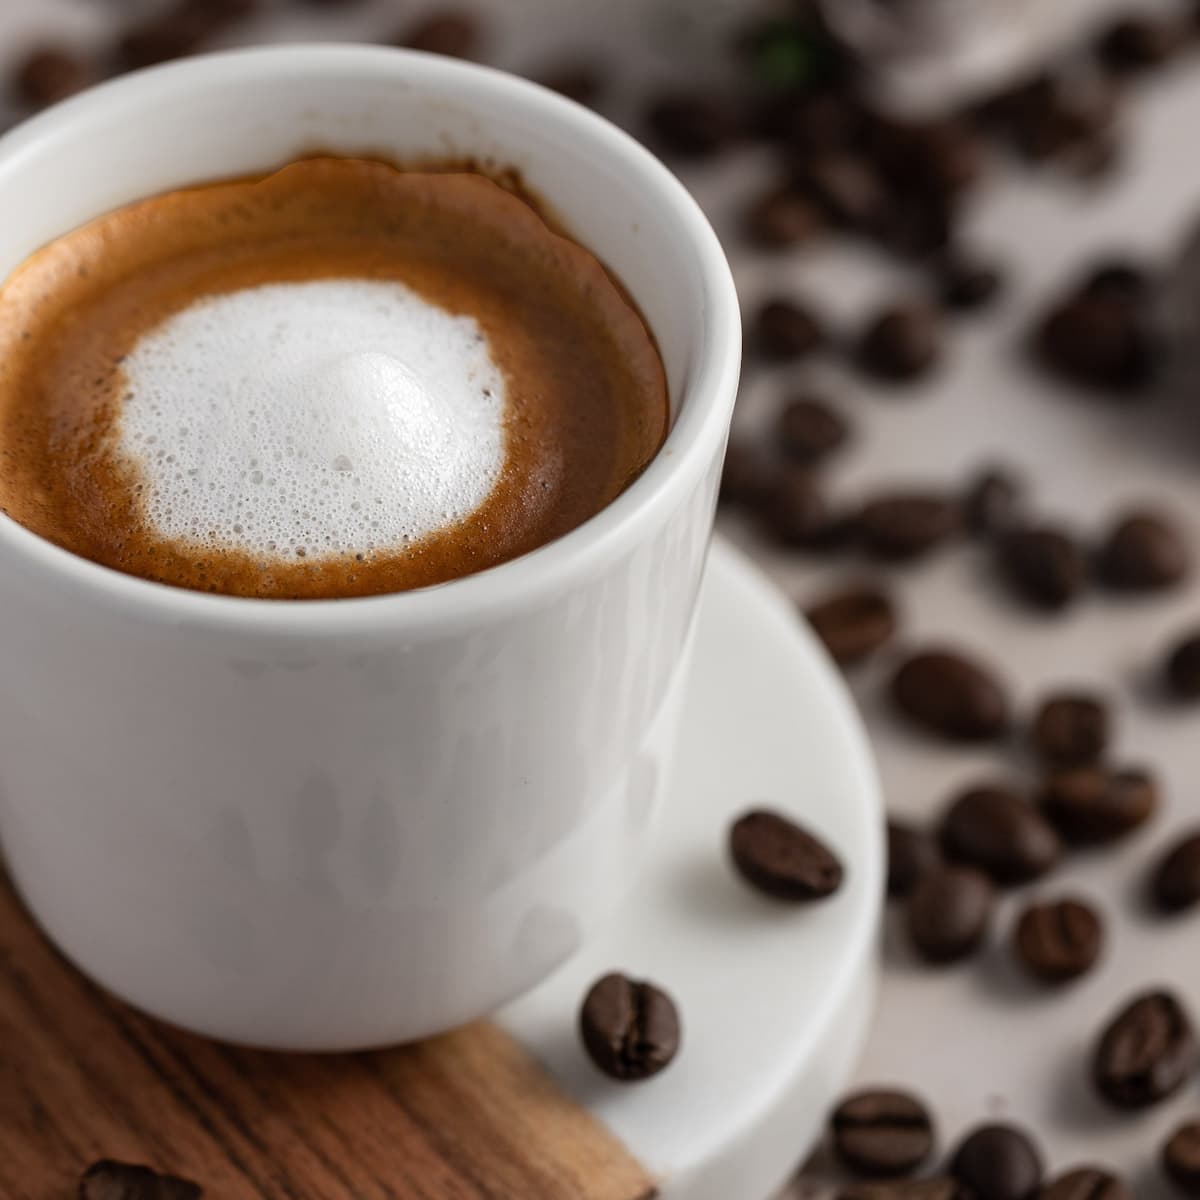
(698, 432)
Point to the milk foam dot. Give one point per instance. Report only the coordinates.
(310, 419)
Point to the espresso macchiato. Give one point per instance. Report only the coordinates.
(340, 379)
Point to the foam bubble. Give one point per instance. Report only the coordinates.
(311, 419)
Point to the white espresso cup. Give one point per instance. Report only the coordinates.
(345, 823)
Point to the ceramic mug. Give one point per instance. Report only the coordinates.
(346, 823)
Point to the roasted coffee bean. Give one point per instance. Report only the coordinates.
(630, 1028)
(693, 124)
(581, 80)
(997, 830)
(748, 475)
(1060, 940)
(901, 343)
(1175, 882)
(903, 525)
(809, 429)
(1099, 340)
(1070, 729)
(1181, 1158)
(941, 156)
(1118, 278)
(812, 122)
(882, 1133)
(795, 512)
(109, 1180)
(49, 74)
(781, 859)
(785, 330)
(178, 32)
(1042, 565)
(450, 32)
(1143, 552)
(781, 218)
(998, 1162)
(910, 854)
(992, 502)
(1137, 43)
(1146, 1052)
(950, 695)
(853, 622)
(937, 1187)
(948, 913)
(968, 284)
(1086, 1183)
(918, 224)
(846, 189)
(1182, 670)
(1095, 805)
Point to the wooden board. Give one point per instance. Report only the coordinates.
(465, 1116)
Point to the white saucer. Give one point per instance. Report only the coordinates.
(775, 999)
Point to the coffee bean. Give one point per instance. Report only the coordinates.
(1098, 340)
(1057, 941)
(109, 1180)
(950, 695)
(939, 156)
(1042, 565)
(180, 31)
(810, 429)
(968, 284)
(785, 330)
(910, 854)
(581, 80)
(795, 512)
(449, 32)
(853, 622)
(748, 475)
(1086, 1183)
(998, 1162)
(992, 502)
(1137, 43)
(49, 74)
(948, 913)
(883, 1133)
(937, 1187)
(918, 224)
(845, 187)
(1143, 552)
(693, 124)
(630, 1028)
(1182, 670)
(1181, 1158)
(1145, 1053)
(812, 122)
(997, 830)
(901, 343)
(782, 218)
(781, 859)
(1095, 805)
(1117, 278)
(1070, 729)
(903, 525)
(1175, 882)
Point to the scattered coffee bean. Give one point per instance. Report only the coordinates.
(1086, 1183)
(49, 74)
(901, 344)
(882, 1133)
(785, 330)
(109, 1180)
(997, 830)
(692, 124)
(1181, 1158)
(904, 525)
(1137, 43)
(1182, 670)
(910, 854)
(781, 218)
(812, 122)
(450, 32)
(747, 476)
(940, 157)
(1145, 1053)
(782, 859)
(180, 31)
(845, 188)
(1043, 565)
(1143, 552)
(1117, 278)
(1095, 805)
(1060, 940)
(918, 224)
(992, 502)
(1099, 340)
(630, 1028)
(948, 913)
(1175, 882)
(949, 694)
(1070, 729)
(810, 429)
(853, 622)
(938, 1187)
(998, 1162)
(968, 284)
(795, 512)
(581, 80)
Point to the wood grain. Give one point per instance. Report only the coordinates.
(463, 1117)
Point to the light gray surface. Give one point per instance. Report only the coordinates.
(976, 1040)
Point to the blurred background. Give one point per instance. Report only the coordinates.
(960, 234)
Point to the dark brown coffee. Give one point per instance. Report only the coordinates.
(340, 379)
